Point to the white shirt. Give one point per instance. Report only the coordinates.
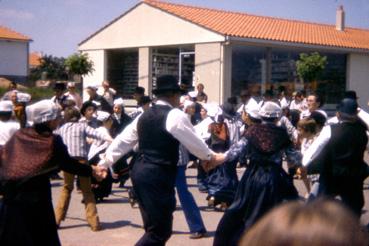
(177, 124)
(202, 129)
(7, 130)
(317, 146)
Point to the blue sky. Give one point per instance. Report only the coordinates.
(57, 26)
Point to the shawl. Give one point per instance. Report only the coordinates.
(267, 138)
(27, 154)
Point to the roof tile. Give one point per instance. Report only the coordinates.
(269, 28)
(7, 33)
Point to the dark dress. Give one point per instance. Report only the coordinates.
(263, 185)
(222, 181)
(27, 214)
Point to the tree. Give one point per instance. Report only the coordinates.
(310, 67)
(79, 64)
(52, 66)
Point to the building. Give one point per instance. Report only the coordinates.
(14, 50)
(34, 59)
(226, 51)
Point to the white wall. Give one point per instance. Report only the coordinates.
(98, 57)
(145, 69)
(213, 68)
(358, 77)
(146, 26)
(13, 58)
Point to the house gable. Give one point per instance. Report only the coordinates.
(145, 26)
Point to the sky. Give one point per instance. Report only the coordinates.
(57, 26)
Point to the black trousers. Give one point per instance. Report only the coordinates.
(154, 187)
(350, 189)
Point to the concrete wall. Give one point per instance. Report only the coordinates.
(213, 68)
(146, 26)
(13, 58)
(145, 69)
(358, 77)
(98, 57)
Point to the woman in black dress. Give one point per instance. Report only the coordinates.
(264, 184)
(27, 214)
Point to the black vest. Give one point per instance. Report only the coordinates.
(347, 146)
(156, 144)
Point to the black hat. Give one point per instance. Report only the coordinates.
(59, 86)
(167, 83)
(228, 110)
(144, 100)
(347, 106)
(350, 94)
(87, 104)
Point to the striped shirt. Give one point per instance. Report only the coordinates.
(74, 137)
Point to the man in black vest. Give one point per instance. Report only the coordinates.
(158, 132)
(341, 159)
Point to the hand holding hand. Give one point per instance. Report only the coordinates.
(99, 172)
(216, 160)
(301, 172)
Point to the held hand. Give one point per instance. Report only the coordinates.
(301, 172)
(216, 160)
(99, 172)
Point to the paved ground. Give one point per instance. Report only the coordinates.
(123, 225)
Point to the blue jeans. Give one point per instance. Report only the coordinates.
(189, 206)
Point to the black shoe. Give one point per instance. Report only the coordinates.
(197, 235)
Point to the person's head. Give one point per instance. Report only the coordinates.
(270, 112)
(298, 96)
(104, 119)
(12, 86)
(118, 106)
(138, 93)
(250, 114)
(6, 110)
(59, 89)
(319, 119)
(351, 95)
(200, 87)
(203, 113)
(91, 91)
(145, 102)
(314, 102)
(189, 108)
(167, 89)
(71, 114)
(307, 128)
(347, 109)
(106, 85)
(320, 223)
(14, 96)
(88, 109)
(44, 113)
(245, 96)
(71, 86)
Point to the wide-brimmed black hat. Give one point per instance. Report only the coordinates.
(350, 94)
(167, 83)
(348, 106)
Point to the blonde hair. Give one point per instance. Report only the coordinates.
(320, 222)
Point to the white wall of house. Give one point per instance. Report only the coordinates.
(210, 70)
(13, 58)
(145, 68)
(146, 26)
(98, 57)
(358, 77)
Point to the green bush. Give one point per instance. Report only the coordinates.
(39, 93)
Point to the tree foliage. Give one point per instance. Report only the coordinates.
(54, 68)
(79, 64)
(311, 66)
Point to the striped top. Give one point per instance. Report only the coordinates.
(74, 137)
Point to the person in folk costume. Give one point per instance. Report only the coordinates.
(19, 107)
(101, 189)
(74, 135)
(154, 172)
(222, 181)
(59, 97)
(102, 104)
(26, 215)
(188, 203)
(73, 94)
(264, 184)
(338, 156)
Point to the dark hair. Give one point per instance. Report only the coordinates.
(71, 114)
(144, 100)
(139, 90)
(308, 125)
(321, 222)
(319, 118)
(87, 104)
(318, 98)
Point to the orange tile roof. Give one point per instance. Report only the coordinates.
(6, 33)
(35, 59)
(243, 25)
